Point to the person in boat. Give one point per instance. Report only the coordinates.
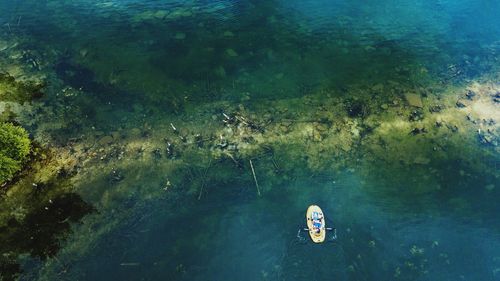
(317, 219)
(317, 226)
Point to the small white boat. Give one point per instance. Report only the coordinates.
(316, 224)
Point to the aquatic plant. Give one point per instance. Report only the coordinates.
(14, 149)
(16, 91)
(308, 109)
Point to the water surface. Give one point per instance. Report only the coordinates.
(142, 64)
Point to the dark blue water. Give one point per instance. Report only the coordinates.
(233, 235)
(144, 64)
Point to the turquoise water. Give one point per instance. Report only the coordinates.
(144, 64)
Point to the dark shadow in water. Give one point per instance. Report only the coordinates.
(40, 233)
(79, 77)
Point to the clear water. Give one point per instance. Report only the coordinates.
(136, 60)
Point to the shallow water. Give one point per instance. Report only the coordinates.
(145, 63)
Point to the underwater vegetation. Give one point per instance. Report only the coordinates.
(179, 106)
(15, 144)
(429, 147)
(14, 149)
(38, 207)
(16, 91)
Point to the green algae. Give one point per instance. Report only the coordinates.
(38, 206)
(38, 209)
(324, 133)
(14, 149)
(15, 143)
(343, 123)
(20, 92)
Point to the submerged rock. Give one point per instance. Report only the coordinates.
(470, 95)
(105, 140)
(416, 131)
(416, 115)
(356, 108)
(160, 14)
(231, 53)
(436, 108)
(414, 100)
(488, 138)
(496, 97)
(452, 127)
(460, 104)
(115, 176)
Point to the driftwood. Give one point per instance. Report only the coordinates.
(203, 179)
(255, 177)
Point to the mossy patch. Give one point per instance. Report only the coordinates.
(14, 149)
(16, 91)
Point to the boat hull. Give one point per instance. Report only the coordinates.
(315, 237)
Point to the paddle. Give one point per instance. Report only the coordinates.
(328, 228)
(333, 238)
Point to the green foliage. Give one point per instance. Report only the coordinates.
(14, 149)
